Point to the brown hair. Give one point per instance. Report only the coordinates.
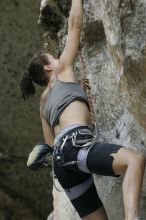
(35, 73)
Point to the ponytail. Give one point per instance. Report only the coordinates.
(35, 73)
(26, 85)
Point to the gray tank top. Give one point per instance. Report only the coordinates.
(61, 95)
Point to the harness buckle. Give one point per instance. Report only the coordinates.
(74, 140)
(63, 143)
(86, 141)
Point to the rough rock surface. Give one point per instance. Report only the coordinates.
(114, 39)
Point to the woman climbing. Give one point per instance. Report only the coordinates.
(65, 116)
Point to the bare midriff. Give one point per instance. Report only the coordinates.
(75, 113)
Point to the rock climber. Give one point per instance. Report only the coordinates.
(65, 117)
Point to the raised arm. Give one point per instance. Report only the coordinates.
(75, 24)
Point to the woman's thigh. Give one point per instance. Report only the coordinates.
(100, 159)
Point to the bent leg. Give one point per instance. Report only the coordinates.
(113, 160)
(132, 164)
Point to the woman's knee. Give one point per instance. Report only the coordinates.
(127, 157)
(140, 160)
(136, 158)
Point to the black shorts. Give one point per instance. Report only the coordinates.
(76, 179)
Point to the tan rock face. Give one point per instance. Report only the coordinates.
(115, 54)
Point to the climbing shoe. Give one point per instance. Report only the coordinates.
(39, 156)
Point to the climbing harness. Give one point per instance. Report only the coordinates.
(43, 154)
(80, 138)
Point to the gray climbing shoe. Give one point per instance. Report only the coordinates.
(39, 156)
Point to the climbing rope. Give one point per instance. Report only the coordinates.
(85, 80)
(87, 88)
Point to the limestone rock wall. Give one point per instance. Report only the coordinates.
(114, 50)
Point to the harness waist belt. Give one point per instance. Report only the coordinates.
(82, 131)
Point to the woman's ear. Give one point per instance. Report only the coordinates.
(48, 68)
